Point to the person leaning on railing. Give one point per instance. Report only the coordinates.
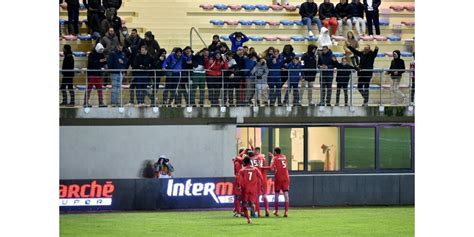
(141, 65)
(367, 59)
(118, 63)
(325, 63)
(96, 62)
(260, 72)
(397, 68)
(275, 64)
(230, 78)
(295, 75)
(173, 66)
(214, 66)
(198, 77)
(343, 78)
(250, 63)
(239, 75)
(309, 59)
(68, 76)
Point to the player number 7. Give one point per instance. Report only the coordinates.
(250, 175)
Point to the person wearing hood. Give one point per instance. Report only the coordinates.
(215, 45)
(72, 16)
(173, 66)
(118, 63)
(260, 72)
(143, 62)
(343, 77)
(111, 21)
(308, 11)
(250, 63)
(397, 68)
(357, 14)
(372, 12)
(214, 65)
(367, 59)
(344, 15)
(132, 45)
(116, 4)
(68, 76)
(324, 38)
(295, 75)
(95, 14)
(326, 64)
(275, 64)
(237, 39)
(152, 44)
(96, 62)
(352, 41)
(309, 75)
(288, 56)
(199, 76)
(109, 41)
(327, 15)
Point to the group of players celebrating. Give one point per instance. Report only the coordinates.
(251, 182)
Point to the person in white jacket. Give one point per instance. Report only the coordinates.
(324, 38)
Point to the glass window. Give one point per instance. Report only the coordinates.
(258, 137)
(359, 148)
(291, 142)
(323, 149)
(395, 148)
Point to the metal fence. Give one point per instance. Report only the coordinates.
(183, 88)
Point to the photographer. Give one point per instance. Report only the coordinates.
(163, 168)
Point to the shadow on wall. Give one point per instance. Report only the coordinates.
(148, 171)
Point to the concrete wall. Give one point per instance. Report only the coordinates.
(108, 152)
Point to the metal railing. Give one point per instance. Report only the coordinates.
(184, 88)
(191, 37)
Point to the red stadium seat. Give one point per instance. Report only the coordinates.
(231, 22)
(397, 8)
(235, 7)
(276, 7)
(270, 38)
(69, 37)
(284, 38)
(273, 23)
(408, 23)
(380, 38)
(410, 7)
(63, 5)
(389, 54)
(367, 38)
(290, 8)
(338, 38)
(206, 6)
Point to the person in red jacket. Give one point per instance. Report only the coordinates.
(282, 179)
(250, 181)
(214, 66)
(238, 161)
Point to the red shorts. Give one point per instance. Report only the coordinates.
(265, 185)
(282, 185)
(235, 190)
(249, 196)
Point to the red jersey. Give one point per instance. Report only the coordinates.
(237, 165)
(279, 164)
(250, 179)
(259, 162)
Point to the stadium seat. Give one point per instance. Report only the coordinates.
(235, 7)
(217, 22)
(69, 37)
(287, 22)
(299, 23)
(259, 22)
(397, 8)
(225, 38)
(206, 6)
(338, 38)
(82, 6)
(61, 54)
(312, 38)
(231, 22)
(389, 54)
(380, 38)
(298, 54)
(338, 54)
(408, 23)
(79, 54)
(298, 38)
(290, 8)
(62, 21)
(410, 7)
(245, 22)
(273, 23)
(367, 38)
(221, 7)
(262, 7)
(270, 38)
(406, 54)
(394, 38)
(284, 38)
(384, 22)
(248, 7)
(256, 38)
(380, 55)
(276, 7)
(85, 37)
(63, 5)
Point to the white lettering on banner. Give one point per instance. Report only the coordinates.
(209, 189)
(198, 187)
(69, 202)
(190, 189)
(188, 186)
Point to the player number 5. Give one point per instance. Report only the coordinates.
(283, 163)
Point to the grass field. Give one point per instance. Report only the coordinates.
(370, 221)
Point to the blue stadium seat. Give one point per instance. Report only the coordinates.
(312, 38)
(256, 38)
(338, 54)
(299, 55)
(79, 54)
(259, 23)
(262, 7)
(299, 23)
(221, 6)
(248, 7)
(82, 6)
(287, 22)
(380, 55)
(217, 22)
(406, 54)
(84, 37)
(245, 22)
(394, 38)
(225, 37)
(298, 38)
(62, 21)
(384, 22)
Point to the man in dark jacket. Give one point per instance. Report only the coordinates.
(199, 76)
(73, 16)
(109, 41)
(141, 76)
(95, 14)
(239, 76)
(173, 66)
(95, 63)
(308, 11)
(309, 72)
(327, 15)
(111, 21)
(215, 45)
(372, 13)
(343, 77)
(68, 75)
(357, 14)
(133, 43)
(117, 62)
(112, 4)
(152, 45)
(397, 68)
(326, 64)
(344, 16)
(367, 58)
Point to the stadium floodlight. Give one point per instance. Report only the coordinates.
(155, 109)
(121, 110)
(223, 109)
(381, 109)
(189, 109)
(87, 110)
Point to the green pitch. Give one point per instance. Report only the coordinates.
(372, 221)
